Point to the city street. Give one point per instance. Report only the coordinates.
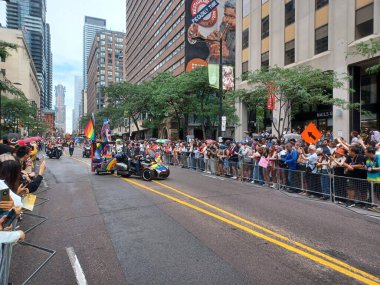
(191, 229)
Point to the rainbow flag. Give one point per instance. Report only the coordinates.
(89, 131)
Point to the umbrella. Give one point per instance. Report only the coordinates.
(210, 141)
(288, 137)
(162, 140)
(11, 136)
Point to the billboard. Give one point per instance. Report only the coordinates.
(206, 21)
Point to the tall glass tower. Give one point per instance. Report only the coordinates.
(30, 17)
(91, 26)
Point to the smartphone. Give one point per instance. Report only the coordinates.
(4, 194)
(9, 218)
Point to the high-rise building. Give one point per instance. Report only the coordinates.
(48, 71)
(77, 111)
(19, 67)
(318, 33)
(156, 41)
(30, 17)
(91, 26)
(60, 108)
(105, 65)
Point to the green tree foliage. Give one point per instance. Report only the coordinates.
(19, 112)
(293, 88)
(369, 50)
(169, 96)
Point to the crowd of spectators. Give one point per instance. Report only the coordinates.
(18, 173)
(291, 164)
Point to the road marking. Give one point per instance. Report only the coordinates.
(365, 279)
(81, 278)
(339, 266)
(303, 246)
(81, 161)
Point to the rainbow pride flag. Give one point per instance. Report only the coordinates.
(89, 131)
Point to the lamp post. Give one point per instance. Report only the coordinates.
(220, 109)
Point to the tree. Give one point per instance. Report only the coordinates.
(293, 89)
(369, 50)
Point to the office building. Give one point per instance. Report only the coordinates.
(91, 26)
(18, 68)
(319, 33)
(105, 65)
(77, 111)
(155, 40)
(47, 103)
(60, 108)
(29, 16)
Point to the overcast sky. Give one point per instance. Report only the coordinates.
(66, 19)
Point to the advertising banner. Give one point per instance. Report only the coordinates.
(206, 22)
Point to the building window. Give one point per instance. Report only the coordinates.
(3, 72)
(265, 59)
(364, 21)
(320, 3)
(245, 43)
(2, 59)
(290, 13)
(289, 52)
(265, 27)
(244, 70)
(321, 39)
(246, 7)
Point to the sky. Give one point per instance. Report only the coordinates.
(66, 19)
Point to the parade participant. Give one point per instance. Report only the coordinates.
(71, 147)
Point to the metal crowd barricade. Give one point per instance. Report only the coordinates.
(324, 185)
(6, 249)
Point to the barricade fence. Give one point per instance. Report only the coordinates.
(323, 184)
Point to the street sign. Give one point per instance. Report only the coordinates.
(224, 123)
(311, 134)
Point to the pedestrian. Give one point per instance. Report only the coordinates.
(71, 148)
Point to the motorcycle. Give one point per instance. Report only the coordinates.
(148, 169)
(56, 152)
(87, 151)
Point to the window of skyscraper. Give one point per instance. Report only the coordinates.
(364, 21)
(245, 39)
(265, 59)
(289, 52)
(265, 27)
(290, 12)
(320, 3)
(321, 39)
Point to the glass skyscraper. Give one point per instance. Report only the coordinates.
(91, 26)
(30, 17)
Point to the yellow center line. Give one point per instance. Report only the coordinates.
(303, 246)
(260, 235)
(338, 265)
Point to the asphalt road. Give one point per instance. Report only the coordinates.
(192, 229)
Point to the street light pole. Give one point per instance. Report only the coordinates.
(220, 109)
(220, 86)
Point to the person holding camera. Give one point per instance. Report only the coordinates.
(323, 164)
